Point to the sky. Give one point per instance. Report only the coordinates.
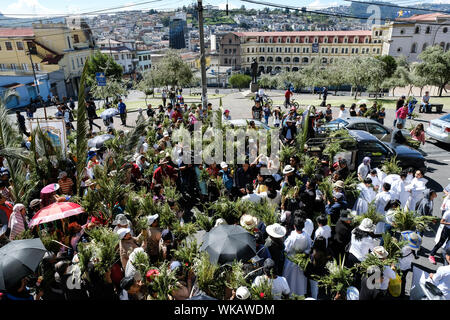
(54, 7)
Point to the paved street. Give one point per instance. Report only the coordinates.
(437, 154)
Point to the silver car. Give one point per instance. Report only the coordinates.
(439, 129)
(359, 123)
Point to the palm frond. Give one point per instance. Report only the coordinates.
(82, 128)
(133, 137)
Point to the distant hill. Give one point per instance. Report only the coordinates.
(6, 21)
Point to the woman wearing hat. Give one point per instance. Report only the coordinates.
(297, 242)
(388, 272)
(361, 243)
(153, 237)
(277, 117)
(274, 243)
(280, 287)
(127, 244)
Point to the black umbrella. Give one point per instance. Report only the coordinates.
(226, 243)
(99, 141)
(18, 259)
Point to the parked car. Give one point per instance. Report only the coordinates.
(369, 146)
(439, 129)
(360, 123)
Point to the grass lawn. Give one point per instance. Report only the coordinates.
(335, 101)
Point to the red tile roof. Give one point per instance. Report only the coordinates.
(425, 17)
(306, 33)
(16, 32)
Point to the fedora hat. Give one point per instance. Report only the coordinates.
(380, 252)
(367, 225)
(120, 219)
(288, 169)
(276, 230)
(248, 221)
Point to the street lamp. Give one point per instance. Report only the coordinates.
(36, 82)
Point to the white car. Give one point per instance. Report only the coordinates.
(439, 129)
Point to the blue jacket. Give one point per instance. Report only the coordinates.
(122, 107)
(227, 179)
(335, 208)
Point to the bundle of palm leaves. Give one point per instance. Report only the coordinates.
(371, 213)
(285, 153)
(104, 245)
(351, 186)
(182, 231)
(372, 261)
(226, 209)
(186, 252)
(326, 187)
(209, 276)
(393, 246)
(236, 278)
(203, 221)
(165, 282)
(310, 165)
(85, 254)
(142, 263)
(263, 291)
(391, 166)
(338, 279)
(48, 240)
(300, 259)
(167, 217)
(170, 191)
(408, 220)
(332, 148)
(265, 211)
(25, 234)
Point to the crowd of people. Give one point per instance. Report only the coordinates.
(306, 219)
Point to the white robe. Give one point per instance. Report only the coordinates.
(416, 188)
(376, 182)
(398, 192)
(366, 196)
(293, 274)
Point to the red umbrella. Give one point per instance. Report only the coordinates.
(52, 187)
(55, 211)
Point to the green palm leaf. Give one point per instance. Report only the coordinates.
(82, 129)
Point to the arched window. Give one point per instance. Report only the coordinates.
(335, 40)
(296, 60)
(316, 40)
(261, 59)
(297, 40)
(444, 30)
(417, 30)
(270, 59)
(325, 40)
(305, 60)
(414, 48)
(425, 45)
(306, 39)
(324, 60)
(261, 69)
(277, 69)
(287, 59)
(345, 40)
(428, 30)
(278, 59)
(356, 40)
(331, 60)
(288, 40)
(279, 39)
(376, 33)
(269, 69)
(402, 31)
(294, 69)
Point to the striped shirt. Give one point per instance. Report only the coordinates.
(16, 224)
(66, 185)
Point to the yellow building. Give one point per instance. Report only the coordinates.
(290, 51)
(53, 46)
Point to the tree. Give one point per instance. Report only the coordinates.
(101, 62)
(174, 71)
(333, 76)
(390, 64)
(150, 80)
(113, 89)
(265, 81)
(400, 78)
(294, 79)
(240, 81)
(313, 75)
(435, 67)
(376, 69)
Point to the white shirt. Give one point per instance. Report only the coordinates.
(275, 201)
(446, 217)
(381, 201)
(297, 240)
(253, 197)
(343, 114)
(389, 218)
(442, 280)
(279, 286)
(309, 227)
(360, 248)
(399, 192)
(260, 92)
(388, 274)
(446, 203)
(408, 257)
(375, 182)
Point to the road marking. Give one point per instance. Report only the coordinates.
(447, 160)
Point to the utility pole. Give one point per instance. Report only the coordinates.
(202, 54)
(36, 83)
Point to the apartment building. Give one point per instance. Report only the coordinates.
(290, 51)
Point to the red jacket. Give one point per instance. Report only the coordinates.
(401, 113)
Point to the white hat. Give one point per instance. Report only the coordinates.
(380, 252)
(242, 293)
(276, 230)
(339, 184)
(219, 222)
(120, 219)
(367, 225)
(288, 169)
(174, 265)
(152, 219)
(165, 134)
(94, 149)
(248, 221)
(223, 165)
(122, 232)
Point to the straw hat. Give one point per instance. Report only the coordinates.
(248, 221)
(339, 184)
(276, 230)
(380, 252)
(288, 169)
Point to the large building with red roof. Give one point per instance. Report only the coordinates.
(410, 36)
(290, 51)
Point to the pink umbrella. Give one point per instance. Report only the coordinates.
(55, 211)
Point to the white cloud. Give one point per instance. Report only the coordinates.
(321, 4)
(26, 7)
(222, 6)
